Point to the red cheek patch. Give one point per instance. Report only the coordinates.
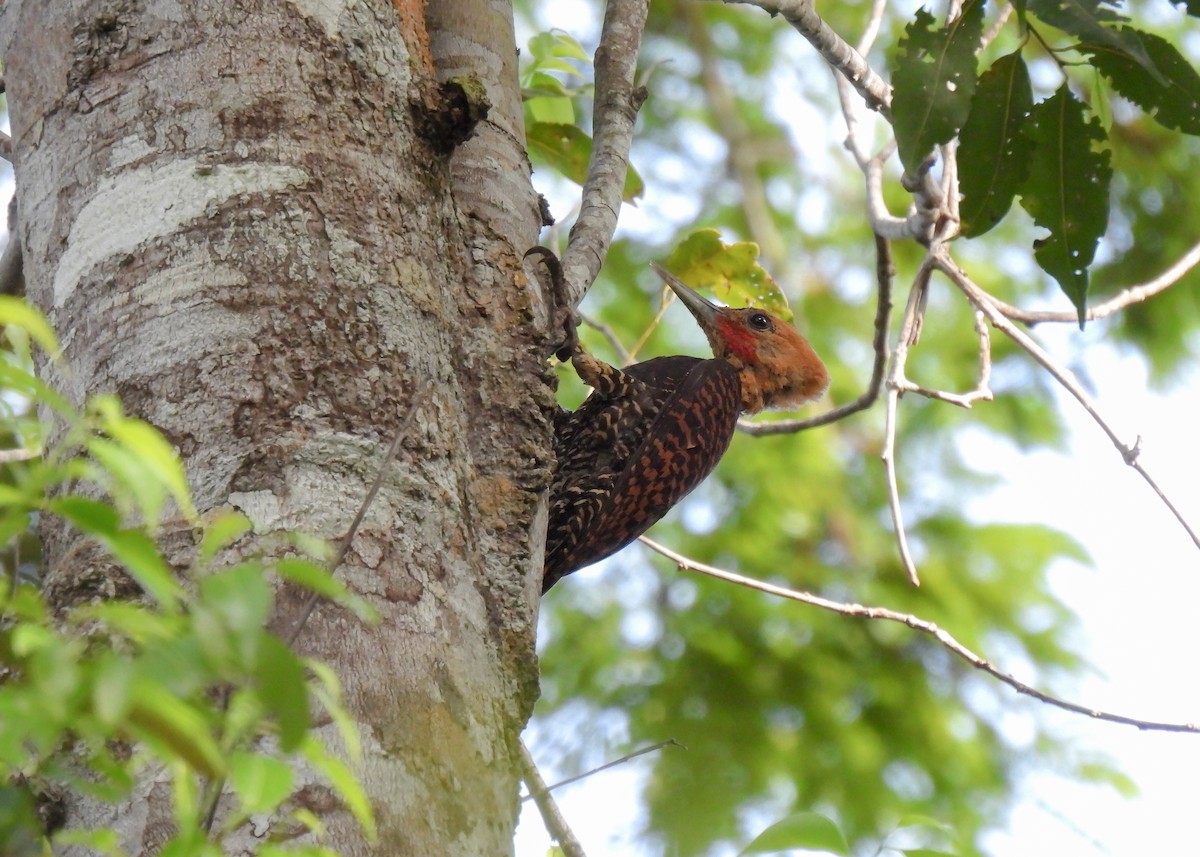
(738, 340)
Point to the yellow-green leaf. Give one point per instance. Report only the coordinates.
(729, 271)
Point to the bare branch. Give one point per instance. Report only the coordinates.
(609, 334)
(981, 392)
(8, 456)
(668, 298)
(994, 30)
(888, 456)
(801, 14)
(1118, 302)
(878, 8)
(895, 384)
(982, 301)
(917, 624)
(883, 310)
(552, 817)
(670, 742)
(616, 106)
(414, 405)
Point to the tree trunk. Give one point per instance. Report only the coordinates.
(252, 221)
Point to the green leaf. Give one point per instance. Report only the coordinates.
(240, 596)
(128, 470)
(262, 783)
(567, 150)
(933, 80)
(133, 548)
(17, 311)
(112, 689)
(153, 450)
(1067, 192)
(140, 556)
(343, 782)
(924, 822)
(89, 516)
(174, 729)
(17, 380)
(1087, 20)
(317, 579)
(329, 693)
(103, 841)
(730, 271)
(557, 43)
(280, 680)
(807, 830)
(221, 532)
(993, 154)
(1172, 97)
(13, 523)
(549, 109)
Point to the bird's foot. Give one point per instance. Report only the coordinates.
(565, 317)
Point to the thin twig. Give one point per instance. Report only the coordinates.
(917, 624)
(611, 335)
(552, 817)
(878, 8)
(895, 384)
(616, 103)
(1121, 300)
(994, 30)
(217, 787)
(668, 298)
(980, 299)
(414, 404)
(982, 391)
(883, 309)
(875, 91)
(7, 456)
(670, 742)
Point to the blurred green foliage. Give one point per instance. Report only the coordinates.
(184, 678)
(784, 708)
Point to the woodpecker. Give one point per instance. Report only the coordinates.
(650, 433)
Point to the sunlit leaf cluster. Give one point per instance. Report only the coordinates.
(1054, 154)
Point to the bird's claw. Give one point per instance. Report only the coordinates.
(565, 314)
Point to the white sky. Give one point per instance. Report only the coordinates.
(1136, 603)
(1137, 608)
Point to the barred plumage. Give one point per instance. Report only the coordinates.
(650, 433)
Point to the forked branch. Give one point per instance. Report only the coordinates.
(982, 302)
(884, 271)
(552, 817)
(943, 637)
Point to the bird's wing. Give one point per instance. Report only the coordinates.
(677, 449)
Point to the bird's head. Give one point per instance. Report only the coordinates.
(778, 368)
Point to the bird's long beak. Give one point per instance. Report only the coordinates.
(704, 311)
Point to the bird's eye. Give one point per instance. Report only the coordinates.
(760, 321)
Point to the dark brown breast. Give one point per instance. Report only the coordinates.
(626, 458)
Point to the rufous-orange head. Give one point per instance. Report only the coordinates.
(777, 366)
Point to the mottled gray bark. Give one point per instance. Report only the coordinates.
(247, 219)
